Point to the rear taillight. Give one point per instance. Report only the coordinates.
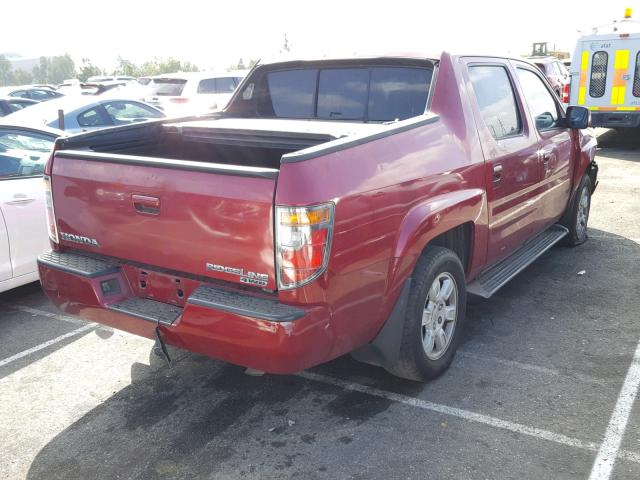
(303, 241)
(51, 215)
(566, 90)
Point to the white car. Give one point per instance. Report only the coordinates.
(85, 113)
(192, 93)
(23, 226)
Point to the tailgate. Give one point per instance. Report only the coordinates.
(200, 218)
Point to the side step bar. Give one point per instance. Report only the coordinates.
(492, 279)
(86, 266)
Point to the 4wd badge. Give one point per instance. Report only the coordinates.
(250, 278)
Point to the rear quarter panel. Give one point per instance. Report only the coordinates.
(392, 196)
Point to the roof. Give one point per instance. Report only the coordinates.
(6, 122)
(197, 75)
(284, 58)
(543, 59)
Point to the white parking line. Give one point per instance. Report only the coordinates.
(466, 415)
(603, 464)
(534, 368)
(44, 345)
(44, 313)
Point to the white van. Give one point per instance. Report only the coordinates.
(605, 75)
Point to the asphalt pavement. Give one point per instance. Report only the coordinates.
(542, 387)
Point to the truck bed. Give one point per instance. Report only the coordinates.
(247, 142)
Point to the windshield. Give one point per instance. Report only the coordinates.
(167, 86)
(362, 94)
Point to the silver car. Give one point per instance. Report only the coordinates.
(83, 113)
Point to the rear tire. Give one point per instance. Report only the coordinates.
(578, 217)
(434, 316)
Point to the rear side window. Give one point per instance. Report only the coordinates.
(598, 83)
(636, 77)
(342, 93)
(167, 86)
(496, 100)
(217, 85)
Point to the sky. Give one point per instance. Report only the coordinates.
(215, 34)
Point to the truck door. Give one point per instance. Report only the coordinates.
(545, 114)
(22, 158)
(510, 149)
(5, 259)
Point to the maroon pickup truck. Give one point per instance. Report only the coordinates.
(335, 206)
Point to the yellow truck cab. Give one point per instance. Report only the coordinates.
(605, 74)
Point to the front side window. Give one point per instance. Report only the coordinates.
(542, 106)
(598, 83)
(15, 105)
(23, 154)
(91, 118)
(496, 100)
(122, 112)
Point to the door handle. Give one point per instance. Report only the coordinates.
(146, 204)
(497, 173)
(20, 199)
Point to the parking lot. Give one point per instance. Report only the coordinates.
(541, 386)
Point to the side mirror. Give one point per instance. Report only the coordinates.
(578, 117)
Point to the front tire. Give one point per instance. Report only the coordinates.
(579, 215)
(434, 316)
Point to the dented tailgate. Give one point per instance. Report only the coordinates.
(204, 219)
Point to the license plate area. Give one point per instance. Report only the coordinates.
(159, 286)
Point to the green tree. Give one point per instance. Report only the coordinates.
(158, 66)
(41, 71)
(54, 69)
(126, 67)
(21, 77)
(61, 68)
(5, 71)
(87, 69)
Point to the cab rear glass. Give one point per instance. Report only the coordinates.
(358, 94)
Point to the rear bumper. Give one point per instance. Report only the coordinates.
(615, 119)
(234, 326)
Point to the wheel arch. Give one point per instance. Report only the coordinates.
(453, 220)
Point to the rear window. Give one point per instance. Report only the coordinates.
(167, 86)
(217, 85)
(598, 83)
(342, 93)
(363, 94)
